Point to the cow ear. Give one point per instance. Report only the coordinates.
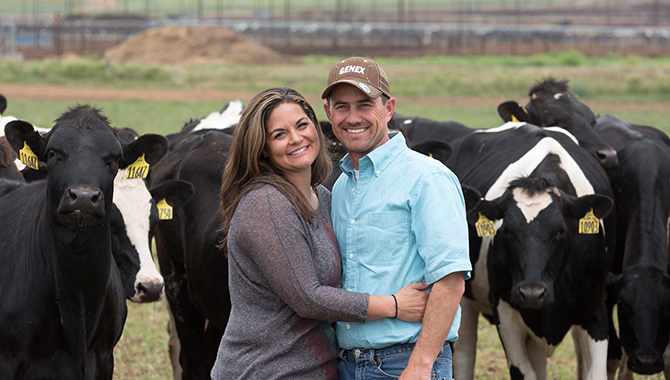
(175, 192)
(513, 111)
(3, 104)
(151, 145)
(601, 205)
(438, 150)
(472, 197)
(19, 132)
(487, 209)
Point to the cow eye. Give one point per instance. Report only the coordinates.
(560, 234)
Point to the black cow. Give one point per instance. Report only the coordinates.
(63, 308)
(194, 267)
(538, 277)
(640, 284)
(552, 104)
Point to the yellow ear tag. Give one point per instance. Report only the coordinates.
(485, 226)
(138, 169)
(430, 155)
(589, 224)
(514, 119)
(27, 157)
(524, 109)
(164, 210)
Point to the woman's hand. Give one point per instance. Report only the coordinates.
(412, 302)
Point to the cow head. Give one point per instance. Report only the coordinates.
(642, 292)
(552, 104)
(83, 155)
(537, 236)
(132, 227)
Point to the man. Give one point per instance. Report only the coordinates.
(399, 218)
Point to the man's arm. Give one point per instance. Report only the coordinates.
(440, 312)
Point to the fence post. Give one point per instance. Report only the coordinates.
(56, 35)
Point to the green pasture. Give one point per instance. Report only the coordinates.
(463, 89)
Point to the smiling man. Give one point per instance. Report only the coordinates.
(399, 218)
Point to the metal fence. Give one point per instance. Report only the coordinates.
(625, 29)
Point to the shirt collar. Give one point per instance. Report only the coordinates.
(380, 158)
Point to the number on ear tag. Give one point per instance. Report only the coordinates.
(589, 224)
(164, 210)
(485, 226)
(138, 169)
(27, 157)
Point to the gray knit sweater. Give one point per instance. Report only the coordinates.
(284, 278)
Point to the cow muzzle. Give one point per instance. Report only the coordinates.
(531, 296)
(607, 158)
(647, 363)
(148, 292)
(82, 204)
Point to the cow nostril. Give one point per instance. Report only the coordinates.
(149, 292)
(607, 157)
(532, 296)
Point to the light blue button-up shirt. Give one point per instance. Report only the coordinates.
(402, 222)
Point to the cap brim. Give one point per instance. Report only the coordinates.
(369, 90)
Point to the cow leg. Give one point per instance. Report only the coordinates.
(538, 358)
(613, 345)
(174, 347)
(591, 355)
(512, 331)
(666, 358)
(624, 372)
(465, 348)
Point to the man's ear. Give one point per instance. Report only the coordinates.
(326, 108)
(390, 109)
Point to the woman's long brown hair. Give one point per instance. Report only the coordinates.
(246, 168)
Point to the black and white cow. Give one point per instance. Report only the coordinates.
(552, 104)
(191, 261)
(538, 277)
(63, 308)
(640, 284)
(420, 130)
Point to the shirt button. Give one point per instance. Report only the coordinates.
(348, 327)
(353, 221)
(377, 172)
(352, 189)
(351, 256)
(357, 352)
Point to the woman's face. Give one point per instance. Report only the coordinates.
(292, 142)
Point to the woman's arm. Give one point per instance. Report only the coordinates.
(408, 305)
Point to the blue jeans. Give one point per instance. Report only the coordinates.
(388, 363)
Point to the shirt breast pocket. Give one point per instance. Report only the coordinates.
(389, 234)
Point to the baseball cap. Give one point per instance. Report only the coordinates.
(365, 74)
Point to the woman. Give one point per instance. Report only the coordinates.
(284, 265)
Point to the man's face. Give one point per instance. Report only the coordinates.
(359, 122)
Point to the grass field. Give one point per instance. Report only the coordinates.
(466, 90)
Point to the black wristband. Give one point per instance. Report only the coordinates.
(396, 306)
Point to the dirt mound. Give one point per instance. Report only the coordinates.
(192, 45)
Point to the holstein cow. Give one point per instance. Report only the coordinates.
(194, 267)
(540, 255)
(63, 308)
(419, 130)
(552, 104)
(640, 284)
